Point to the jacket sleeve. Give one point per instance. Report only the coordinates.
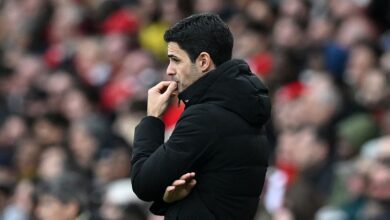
(155, 164)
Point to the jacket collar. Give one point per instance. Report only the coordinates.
(231, 86)
(194, 93)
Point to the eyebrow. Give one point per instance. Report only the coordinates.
(172, 56)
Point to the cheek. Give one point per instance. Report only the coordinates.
(182, 74)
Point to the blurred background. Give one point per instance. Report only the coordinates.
(74, 76)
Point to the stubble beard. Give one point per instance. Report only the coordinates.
(193, 72)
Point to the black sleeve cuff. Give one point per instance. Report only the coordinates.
(159, 207)
(150, 130)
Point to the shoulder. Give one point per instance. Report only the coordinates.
(207, 115)
(203, 110)
(199, 115)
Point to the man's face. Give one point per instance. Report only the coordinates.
(379, 181)
(180, 67)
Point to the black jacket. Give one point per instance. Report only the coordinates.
(220, 136)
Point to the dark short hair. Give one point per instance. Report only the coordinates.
(67, 188)
(204, 32)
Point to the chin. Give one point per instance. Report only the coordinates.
(180, 88)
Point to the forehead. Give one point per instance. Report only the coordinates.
(175, 50)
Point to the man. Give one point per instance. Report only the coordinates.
(213, 166)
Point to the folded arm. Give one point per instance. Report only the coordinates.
(156, 165)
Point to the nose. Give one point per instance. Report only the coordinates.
(170, 70)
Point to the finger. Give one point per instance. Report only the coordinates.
(178, 182)
(171, 88)
(170, 188)
(161, 86)
(185, 176)
(169, 191)
(188, 176)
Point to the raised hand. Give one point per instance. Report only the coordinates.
(158, 97)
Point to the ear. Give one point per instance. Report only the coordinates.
(205, 62)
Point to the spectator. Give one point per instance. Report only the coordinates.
(64, 197)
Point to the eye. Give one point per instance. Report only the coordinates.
(175, 60)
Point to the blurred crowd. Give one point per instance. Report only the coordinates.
(74, 76)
